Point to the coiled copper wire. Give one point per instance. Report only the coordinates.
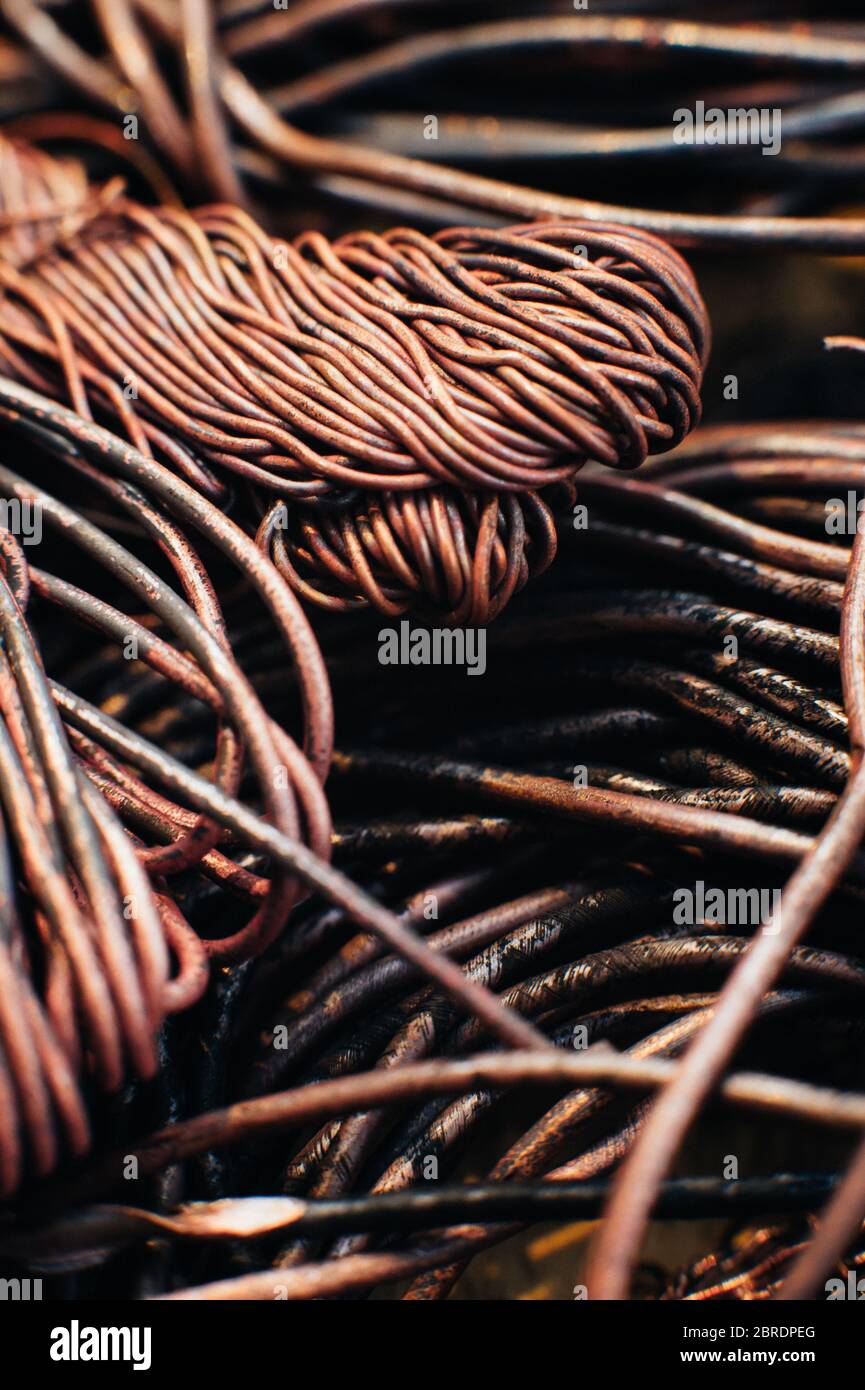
(487, 360)
(43, 199)
(463, 554)
(479, 366)
(477, 361)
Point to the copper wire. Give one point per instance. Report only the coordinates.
(477, 367)
(410, 396)
(107, 920)
(487, 360)
(462, 554)
(118, 26)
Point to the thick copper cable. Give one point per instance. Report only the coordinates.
(101, 927)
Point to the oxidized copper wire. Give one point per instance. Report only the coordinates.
(462, 554)
(513, 948)
(388, 361)
(488, 361)
(694, 760)
(218, 91)
(106, 918)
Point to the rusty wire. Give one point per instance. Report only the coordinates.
(106, 919)
(403, 361)
(471, 365)
(566, 955)
(463, 555)
(234, 127)
(525, 791)
(760, 756)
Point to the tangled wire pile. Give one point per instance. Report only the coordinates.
(753, 1264)
(215, 416)
(104, 914)
(97, 919)
(732, 757)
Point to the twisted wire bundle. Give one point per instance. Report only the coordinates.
(465, 554)
(489, 362)
(482, 359)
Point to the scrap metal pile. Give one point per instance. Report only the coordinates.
(320, 975)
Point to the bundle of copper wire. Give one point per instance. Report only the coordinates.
(472, 365)
(498, 360)
(460, 372)
(390, 419)
(463, 554)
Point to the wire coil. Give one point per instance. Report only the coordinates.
(477, 367)
(481, 359)
(461, 554)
